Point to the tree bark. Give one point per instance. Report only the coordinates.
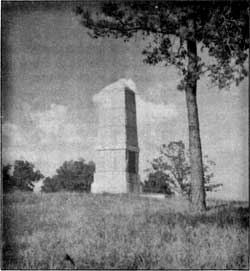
(198, 201)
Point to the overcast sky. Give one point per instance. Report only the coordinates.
(51, 71)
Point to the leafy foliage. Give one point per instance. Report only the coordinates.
(51, 184)
(221, 28)
(158, 182)
(22, 178)
(172, 169)
(8, 182)
(71, 176)
(24, 175)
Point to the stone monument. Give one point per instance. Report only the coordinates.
(117, 151)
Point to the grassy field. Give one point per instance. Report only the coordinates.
(121, 232)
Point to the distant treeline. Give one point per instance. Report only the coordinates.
(71, 176)
(169, 173)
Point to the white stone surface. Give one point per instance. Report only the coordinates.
(111, 92)
(112, 182)
(117, 134)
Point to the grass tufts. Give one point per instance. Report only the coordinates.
(121, 232)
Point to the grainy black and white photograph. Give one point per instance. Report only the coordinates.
(125, 135)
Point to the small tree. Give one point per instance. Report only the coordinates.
(174, 163)
(24, 175)
(208, 164)
(71, 176)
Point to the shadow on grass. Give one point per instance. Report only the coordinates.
(221, 216)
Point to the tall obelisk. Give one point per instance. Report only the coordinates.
(117, 151)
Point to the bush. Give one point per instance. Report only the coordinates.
(158, 182)
(23, 177)
(71, 176)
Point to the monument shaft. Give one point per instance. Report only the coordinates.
(117, 151)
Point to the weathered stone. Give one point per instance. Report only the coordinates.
(117, 151)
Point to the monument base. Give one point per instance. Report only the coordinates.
(115, 182)
(110, 182)
(133, 183)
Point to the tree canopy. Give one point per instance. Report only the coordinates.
(172, 169)
(23, 177)
(222, 27)
(71, 176)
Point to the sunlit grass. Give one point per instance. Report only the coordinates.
(121, 232)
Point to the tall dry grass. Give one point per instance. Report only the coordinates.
(121, 232)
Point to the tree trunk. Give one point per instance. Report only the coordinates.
(198, 201)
